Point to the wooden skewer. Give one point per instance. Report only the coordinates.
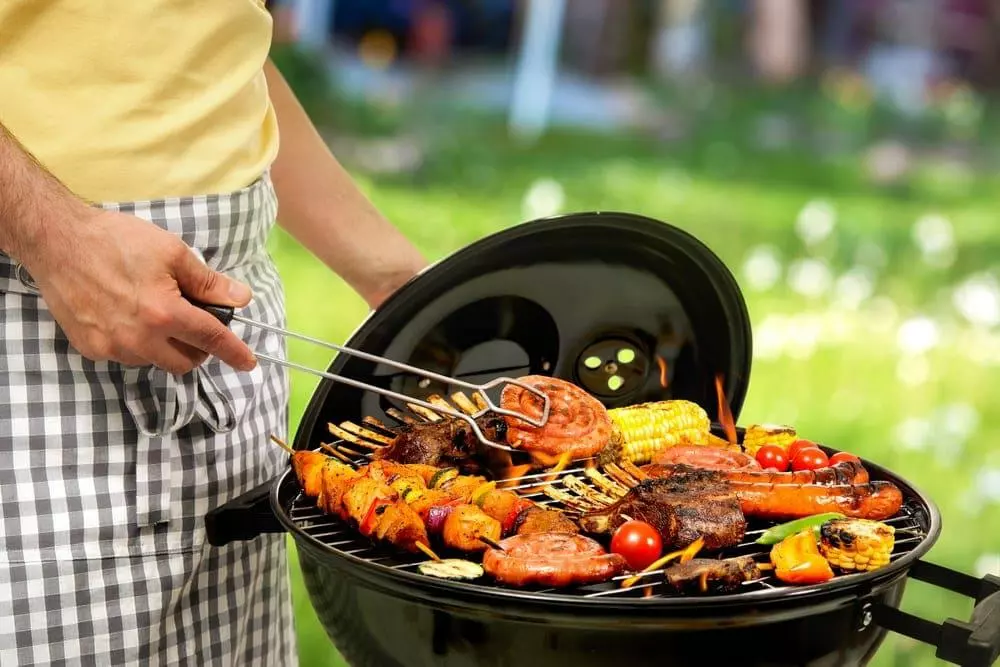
(490, 542)
(609, 486)
(438, 400)
(427, 550)
(334, 452)
(351, 438)
(595, 496)
(380, 425)
(368, 434)
(281, 443)
(685, 554)
(632, 470)
(401, 416)
(426, 413)
(463, 403)
(477, 399)
(619, 476)
(350, 452)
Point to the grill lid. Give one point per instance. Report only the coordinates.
(630, 308)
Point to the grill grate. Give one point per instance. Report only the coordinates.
(910, 524)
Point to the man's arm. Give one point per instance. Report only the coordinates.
(322, 209)
(114, 283)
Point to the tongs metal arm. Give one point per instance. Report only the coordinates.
(227, 315)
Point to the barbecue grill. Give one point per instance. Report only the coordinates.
(549, 297)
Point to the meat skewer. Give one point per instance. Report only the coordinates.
(461, 509)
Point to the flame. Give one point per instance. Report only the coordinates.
(725, 414)
(511, 476)
(663, 370)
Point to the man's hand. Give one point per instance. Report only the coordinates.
(115, 284)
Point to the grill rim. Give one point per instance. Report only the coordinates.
(850, 586)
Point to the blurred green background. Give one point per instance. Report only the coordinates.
(864, 236)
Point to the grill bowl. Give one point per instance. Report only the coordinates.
(379, 611)
(500, 307)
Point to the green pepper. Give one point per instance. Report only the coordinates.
(778, 533)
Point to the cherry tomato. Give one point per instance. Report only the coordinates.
(638, 543)
(843, 456)
(772, 456)
(810, 458)
(797, 446)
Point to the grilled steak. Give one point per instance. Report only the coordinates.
(707, 575)
(681, 510)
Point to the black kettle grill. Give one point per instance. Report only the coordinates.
(561, 296)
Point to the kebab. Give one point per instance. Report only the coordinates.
(381, 512)
(467, 512)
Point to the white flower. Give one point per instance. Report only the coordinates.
(762, 267)
(913, 433)
(913, 371)
(934, 236)
(815, 221)
(544, 198)
(978, 300)
(917, 335)
(854, 287)
(810, 277)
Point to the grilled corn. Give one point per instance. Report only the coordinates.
(856, 544)
(640, 431)
(758, 435)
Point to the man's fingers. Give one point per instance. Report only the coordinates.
(202, 331)
(194, 355)
(201, 283)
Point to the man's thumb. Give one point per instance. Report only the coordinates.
(201, 283)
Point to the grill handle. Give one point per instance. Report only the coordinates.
(975, 643)
(243, 518)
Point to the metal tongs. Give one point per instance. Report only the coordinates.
(226, 315)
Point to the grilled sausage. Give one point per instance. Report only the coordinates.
(577, 422)
(875, 500)
(844, 472)
(554, 560)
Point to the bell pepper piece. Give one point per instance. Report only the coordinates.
(777, 533)
(797, 560)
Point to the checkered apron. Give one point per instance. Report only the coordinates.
(106, 474)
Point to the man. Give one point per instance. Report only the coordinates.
(132, 133)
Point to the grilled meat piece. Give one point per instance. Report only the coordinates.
(577, 423)
(553, 560)
(542, 520)
(681, 511)
(465, 525)
(759, 497)
(443, 443)
(707, 575)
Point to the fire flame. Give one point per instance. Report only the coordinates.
(725, 414)
(663, 370)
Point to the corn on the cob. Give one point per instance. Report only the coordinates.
(640, 431)
(758, 435)
(857, 544)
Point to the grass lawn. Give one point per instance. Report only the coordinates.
(862, 335)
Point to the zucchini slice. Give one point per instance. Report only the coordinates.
(452, 568)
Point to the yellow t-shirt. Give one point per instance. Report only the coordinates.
(139, 99)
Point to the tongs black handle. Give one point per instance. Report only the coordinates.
(224, 314)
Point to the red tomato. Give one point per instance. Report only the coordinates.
(843, 456)
(810, 458)
(797, 446)
(638, 543)
(772, 456)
